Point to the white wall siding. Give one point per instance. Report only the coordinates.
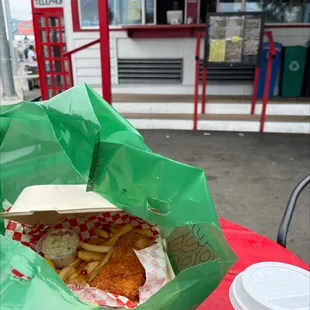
(290, 36)
(87, 64)
(150, 48)
(188, 61)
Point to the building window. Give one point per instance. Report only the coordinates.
(150, 11)
(206, 6)
(164, 6)
(276, 11)
(229, 6)
(253, 5)
(284, 11)
(121, 12)
(144, 12)
(88, 13)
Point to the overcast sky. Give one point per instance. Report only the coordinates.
(20, 9)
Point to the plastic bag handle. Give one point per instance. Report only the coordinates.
(158, 207)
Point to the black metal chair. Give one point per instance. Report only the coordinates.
(288, 214)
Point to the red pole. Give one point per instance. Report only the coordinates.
(196, 91)
(266, 93)
(103, 11)
(70, 70)
(204, 89)
(255, 87)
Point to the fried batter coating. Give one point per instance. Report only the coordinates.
(123, 274)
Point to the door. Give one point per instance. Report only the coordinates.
(54, 69)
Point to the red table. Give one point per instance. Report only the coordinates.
(251, 248)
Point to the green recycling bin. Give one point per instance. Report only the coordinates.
(292, 70)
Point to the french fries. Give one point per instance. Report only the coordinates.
(73, 276)
(97, 241)
(101, 233)
(113, 230)
(143, 232)
(76, 263)
(90, 269)
(95, 248)
(66, 272)
(125, 229)
(98, 268)
(79, 281)
(81, 267)
(88, 256)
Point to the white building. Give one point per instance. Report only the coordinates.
(153, 63)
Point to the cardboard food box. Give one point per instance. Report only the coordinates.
(50, 204)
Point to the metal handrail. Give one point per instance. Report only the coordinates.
(78, 49)
(271, 55)
(289, 211)
(271, 42)
(196, 89)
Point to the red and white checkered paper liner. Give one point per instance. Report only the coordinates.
(153, 258)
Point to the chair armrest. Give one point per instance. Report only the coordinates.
(288, 214)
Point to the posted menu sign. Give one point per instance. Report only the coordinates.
(233, 39)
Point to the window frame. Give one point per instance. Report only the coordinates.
(77, 27)
(77, 22)
(283, 24)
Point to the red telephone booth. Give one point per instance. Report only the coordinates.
(50, 39)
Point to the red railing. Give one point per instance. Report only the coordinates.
(271, 55)
(197, 69)
(70, 53)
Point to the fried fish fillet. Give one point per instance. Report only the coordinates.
(123, 274)
(134, 240)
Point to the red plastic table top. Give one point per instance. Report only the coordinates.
(251, 248)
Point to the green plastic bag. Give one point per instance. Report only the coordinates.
(77, 138)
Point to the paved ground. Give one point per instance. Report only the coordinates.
(32, 94)
(28, 96)
(251, 176)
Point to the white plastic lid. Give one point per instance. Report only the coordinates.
(271, 286)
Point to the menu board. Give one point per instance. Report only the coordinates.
(233, 38)
(234, 27)
(252, 38)
(217, 50)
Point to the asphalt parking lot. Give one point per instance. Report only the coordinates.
(250, 175)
